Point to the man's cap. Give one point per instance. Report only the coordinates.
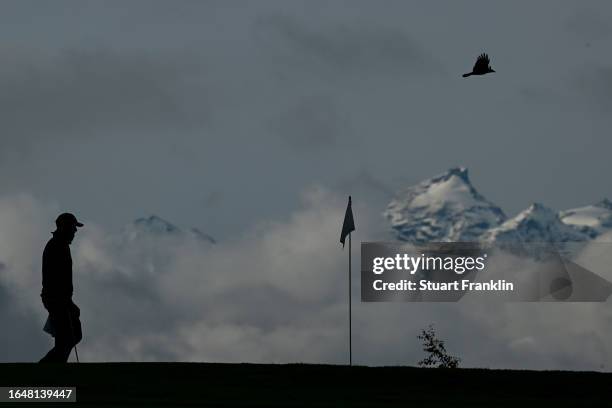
(67, 220)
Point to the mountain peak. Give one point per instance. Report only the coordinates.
(156, 224)
(156, 227)
(536, 213)
(605, 203)
(537, 223)
(444, 208)
(460, 171)
(447, 207)
(591, 219)
(537, 207)
(537, 210)
(202, 236)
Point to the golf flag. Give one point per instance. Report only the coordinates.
(349, 223)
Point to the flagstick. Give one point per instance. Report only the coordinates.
(350, 310)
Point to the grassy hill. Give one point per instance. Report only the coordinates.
(306, 385)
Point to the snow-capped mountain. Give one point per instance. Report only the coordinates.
(444, 208)
(156, 227)
(448, 208)
(201, 235)
(592, 220)
(535, 224)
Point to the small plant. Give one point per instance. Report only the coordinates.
(437, 355)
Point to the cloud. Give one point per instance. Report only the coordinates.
(313, 123)
(76, 94)
(261, 289)
(589, 24)
(595, 86)
(20, 328)
(277, 293)
(343, 49)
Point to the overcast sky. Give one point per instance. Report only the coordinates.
(218, 114)
(225, 115)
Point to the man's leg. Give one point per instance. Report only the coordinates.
(63, 347)
(76, 333)
(75, 328)
(50, 357)
(63, 337)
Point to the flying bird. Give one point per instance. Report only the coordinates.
(481, 66)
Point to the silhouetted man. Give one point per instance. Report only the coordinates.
(57, 290)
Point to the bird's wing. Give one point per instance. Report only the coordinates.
(482, 63)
